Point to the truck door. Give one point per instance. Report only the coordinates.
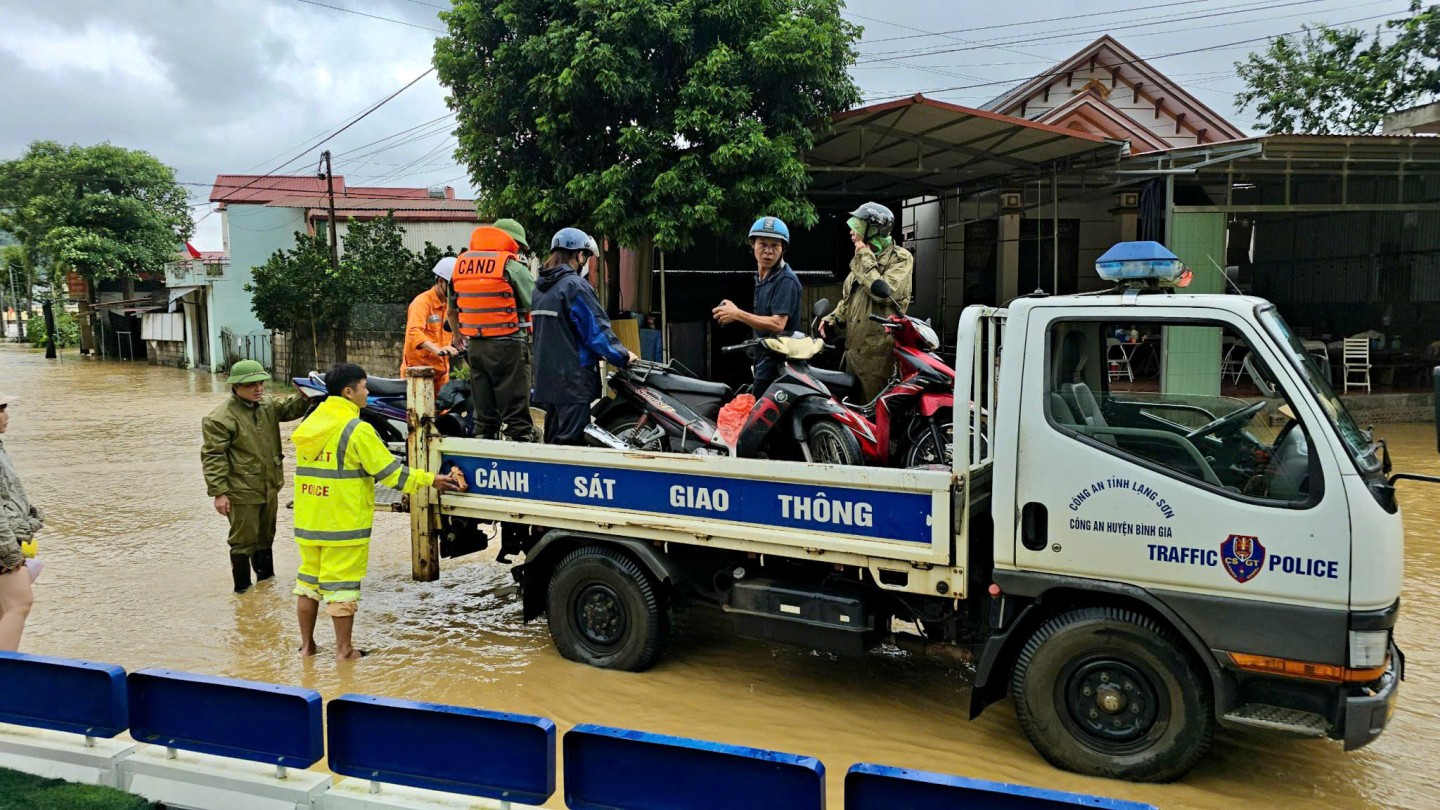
(1166, 452)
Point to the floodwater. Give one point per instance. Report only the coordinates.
(138, 576)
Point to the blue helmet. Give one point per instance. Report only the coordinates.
(571, 239)
(772, 227)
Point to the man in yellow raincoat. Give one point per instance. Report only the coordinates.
(339, 457)
(868, 352)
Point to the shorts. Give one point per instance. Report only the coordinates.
(332, 574)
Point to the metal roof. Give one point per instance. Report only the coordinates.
(918, 147)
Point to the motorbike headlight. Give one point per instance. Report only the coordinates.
(1368, 648)
(932, 340)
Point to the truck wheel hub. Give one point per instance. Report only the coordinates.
(600, 615)
(1112, 703)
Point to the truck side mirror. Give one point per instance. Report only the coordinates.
(821, 308)
(880, 289)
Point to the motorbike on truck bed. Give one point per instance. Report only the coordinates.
(1137, 564)
(655, 408)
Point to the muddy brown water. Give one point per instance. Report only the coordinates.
(137, 575)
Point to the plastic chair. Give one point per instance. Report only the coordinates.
(1233, 362)
(1357, 361)
(1318, 350)
(1118, 356)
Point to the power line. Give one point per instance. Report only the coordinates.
(1053, 35)
(374, 16)
(1029, 22)
(1221, 46)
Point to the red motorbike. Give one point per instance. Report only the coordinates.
(912, 420)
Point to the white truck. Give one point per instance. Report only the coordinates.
(1137, 541)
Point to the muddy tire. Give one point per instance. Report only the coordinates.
(1109, 692)
(924, 452)
(623, 427)
(604, 611)
(832, 444)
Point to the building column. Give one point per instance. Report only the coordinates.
(1127, 215)
(1007, 277)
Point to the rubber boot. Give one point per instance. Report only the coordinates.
(264, 564)
(240, 570)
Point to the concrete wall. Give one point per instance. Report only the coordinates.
(443, 235)
(377, 352)
(167, 353)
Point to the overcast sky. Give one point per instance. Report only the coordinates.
(240, 86)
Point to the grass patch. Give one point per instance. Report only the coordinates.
(23, 791)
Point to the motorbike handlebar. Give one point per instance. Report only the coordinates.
(738, 347)
(879, 318)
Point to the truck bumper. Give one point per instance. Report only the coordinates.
(1367, 714)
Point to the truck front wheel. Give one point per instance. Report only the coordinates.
(604, 611)
(1109, 692)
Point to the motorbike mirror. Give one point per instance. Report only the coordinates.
(880, 289)
(821, 308)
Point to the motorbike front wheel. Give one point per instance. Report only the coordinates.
(923, 450)
(832, 444)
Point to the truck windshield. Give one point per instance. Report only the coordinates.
(1361, 447)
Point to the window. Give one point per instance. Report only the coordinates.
(1185, 398)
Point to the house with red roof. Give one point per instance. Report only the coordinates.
(261, 214)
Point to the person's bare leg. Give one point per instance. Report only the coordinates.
(307, 610)
(16, 598)
(344, 649)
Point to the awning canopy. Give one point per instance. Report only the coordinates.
(919, 147)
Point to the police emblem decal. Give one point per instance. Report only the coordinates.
(1243, 557)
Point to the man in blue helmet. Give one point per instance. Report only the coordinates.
(777, 296)
(572, 336)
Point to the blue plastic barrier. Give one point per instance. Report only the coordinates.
(261, 722)
(449, 748)
(608, 768)
(59, 694)
(876, 787)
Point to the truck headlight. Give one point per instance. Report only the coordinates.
(1368, 648)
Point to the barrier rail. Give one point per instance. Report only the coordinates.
(220, 742)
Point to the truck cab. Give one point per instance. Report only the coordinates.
(1195, 488)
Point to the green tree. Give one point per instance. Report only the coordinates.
(644, 119)
(102, 210)
(296, 291)
(1343, 81)
(385, 271)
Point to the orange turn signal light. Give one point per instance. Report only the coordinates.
(1306, 669)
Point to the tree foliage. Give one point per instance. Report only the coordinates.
(644, 118)
(102, 210)
(1335, 81)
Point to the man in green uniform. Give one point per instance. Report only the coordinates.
(868, 353)
(243, 468)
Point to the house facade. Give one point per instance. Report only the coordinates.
(260, 215)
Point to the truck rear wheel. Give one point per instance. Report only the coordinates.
(604, 611)
(1108, 692)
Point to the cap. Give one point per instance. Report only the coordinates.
(515, 229)
(8, 399)
(246, 372)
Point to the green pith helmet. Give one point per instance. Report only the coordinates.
(515, 229)
(247, 371)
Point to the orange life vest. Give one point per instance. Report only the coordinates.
(485, 300)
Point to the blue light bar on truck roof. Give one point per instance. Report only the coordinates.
(1135, 261)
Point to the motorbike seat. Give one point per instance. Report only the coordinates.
(680, 384)
(385, 387)
(839, 382)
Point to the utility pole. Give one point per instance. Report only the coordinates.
(333, 228)
(15, 300)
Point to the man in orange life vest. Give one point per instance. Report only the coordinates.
(425, 340)
(493, 290)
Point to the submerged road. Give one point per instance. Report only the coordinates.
(138, 575)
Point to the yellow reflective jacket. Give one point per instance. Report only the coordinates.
(339, 457)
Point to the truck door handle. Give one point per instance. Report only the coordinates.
(1034, 526)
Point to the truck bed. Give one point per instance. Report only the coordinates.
(871, 517)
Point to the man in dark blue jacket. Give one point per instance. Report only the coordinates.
(572, 336)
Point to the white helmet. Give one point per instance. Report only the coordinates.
(445, 268)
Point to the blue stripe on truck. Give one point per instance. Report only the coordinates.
(871, 513)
